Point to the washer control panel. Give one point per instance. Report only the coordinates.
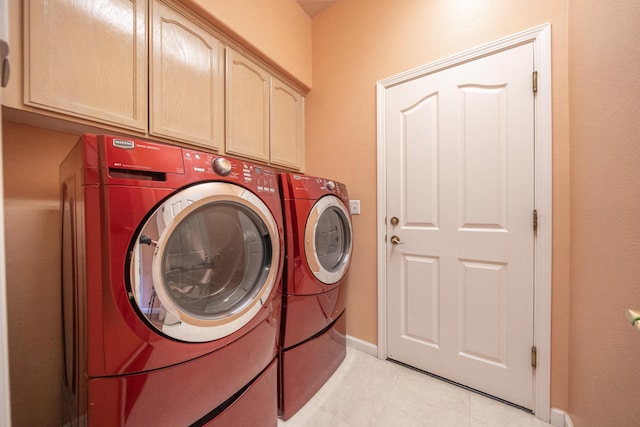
(212, 166)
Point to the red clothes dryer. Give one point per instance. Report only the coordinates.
(318, 236)
(171, 286)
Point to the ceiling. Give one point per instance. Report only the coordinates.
(313, 7)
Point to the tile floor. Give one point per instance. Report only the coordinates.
(368, 392)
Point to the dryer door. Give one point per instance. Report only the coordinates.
(327, 239)
(205, 262)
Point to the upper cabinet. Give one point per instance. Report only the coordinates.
(248, 87)
(89, 59)
(156, 69)
(186, 80)
(265, 116)
(287, 126)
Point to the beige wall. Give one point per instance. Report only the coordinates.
(358, 42)
(277, 30)
(605, 205)
(30, 161)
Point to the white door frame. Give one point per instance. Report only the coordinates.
(540, 36)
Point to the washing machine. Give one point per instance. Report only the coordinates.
(171, 286)
(318, 235)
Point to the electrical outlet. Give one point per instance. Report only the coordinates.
(354, 207)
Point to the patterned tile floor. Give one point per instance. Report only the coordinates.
(368, 392)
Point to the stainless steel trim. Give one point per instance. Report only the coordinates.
(179, 324)
(322, 274)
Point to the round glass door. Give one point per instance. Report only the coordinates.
(328, 239)
(204, 262)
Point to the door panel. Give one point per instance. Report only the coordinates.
(421, 299)
(421, 157)
(88, 59)
(248, 98)
(186, 79)
(460, 174)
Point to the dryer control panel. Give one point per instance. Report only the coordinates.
(312, 187)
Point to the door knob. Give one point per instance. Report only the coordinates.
(394, 220)
(395, 240)
(633, 316)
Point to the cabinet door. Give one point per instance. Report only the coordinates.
(187, 79)
(287, 126)
(88, 58)
(247, 108)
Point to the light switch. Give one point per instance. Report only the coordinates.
(354, 207)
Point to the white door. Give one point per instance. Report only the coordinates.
(460, 181)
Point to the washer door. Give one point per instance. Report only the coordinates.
(327, 239)
(205, 262)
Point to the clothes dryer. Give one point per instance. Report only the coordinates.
(171, 286)
(318, 234)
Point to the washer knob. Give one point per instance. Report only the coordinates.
(331, 185)
(221, 166)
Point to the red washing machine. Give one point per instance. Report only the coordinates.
(318, 246)
(171, 286)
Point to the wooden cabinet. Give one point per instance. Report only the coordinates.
(265, 116)
(88, 59)
(248, 87)
(186, 79)
(287, 126)
(88, 62)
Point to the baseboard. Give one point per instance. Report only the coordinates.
(560, 418)
(364, 346)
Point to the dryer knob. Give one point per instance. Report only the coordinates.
(221, 166)
(331, 185)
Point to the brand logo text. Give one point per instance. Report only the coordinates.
(124, 143)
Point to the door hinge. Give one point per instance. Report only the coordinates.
(534, 357)
(535, 220)
(535, 82)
